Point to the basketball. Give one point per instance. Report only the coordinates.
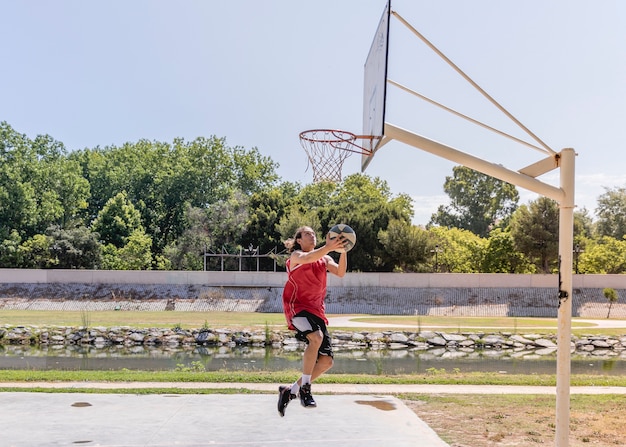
(348, 234)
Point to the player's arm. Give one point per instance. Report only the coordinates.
(306, 257)
(340, 268)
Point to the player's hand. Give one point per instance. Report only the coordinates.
(335, 243)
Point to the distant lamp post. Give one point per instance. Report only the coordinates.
(252, 253)
(577, 252)
(436, 251)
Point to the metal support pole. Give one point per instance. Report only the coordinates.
(488, 168)
(564, 331)
(565, 197)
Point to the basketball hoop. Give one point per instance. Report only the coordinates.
(327, 149)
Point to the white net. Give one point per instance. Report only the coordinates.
(326, 151)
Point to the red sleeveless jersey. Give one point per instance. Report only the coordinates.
(305, 290)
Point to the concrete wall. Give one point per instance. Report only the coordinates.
(277, 279)
(440, 294)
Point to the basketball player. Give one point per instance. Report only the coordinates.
(303, 303)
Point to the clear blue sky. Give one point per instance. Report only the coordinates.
(257, 72)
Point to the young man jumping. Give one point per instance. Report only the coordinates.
(303, 304)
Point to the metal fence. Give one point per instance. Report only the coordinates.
(244, 260)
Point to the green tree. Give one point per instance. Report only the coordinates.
(611, 212)
(134, 255)
(267, 208)
(364, 203)
(227, 221)
(74, 248)
(253, 172)
(500, 255)
(456, 250)
(10, 254)
(605, 255)
(35, 252)
(583, 225)
(162, 179)
(478, 202)
(18, 207)
(296, 218)
(117, 220)
(535, 232)
(407, 245)
(62, 192)
(367, 205)
(39, 187)
(18, 204)
(217, 228)
(186, 253)
(110, 259)
(318, 196)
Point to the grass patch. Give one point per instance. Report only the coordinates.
(143, 319)
(484, 324)
(464, 322)
(189, 376)
(256, 320)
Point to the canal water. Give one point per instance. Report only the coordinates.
(371, 362)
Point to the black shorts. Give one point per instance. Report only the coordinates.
(305, 323)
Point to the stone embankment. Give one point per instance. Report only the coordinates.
(371, 300)
(443, 344)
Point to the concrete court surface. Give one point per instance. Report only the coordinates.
(194, 420)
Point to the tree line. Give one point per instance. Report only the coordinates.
(156, 205)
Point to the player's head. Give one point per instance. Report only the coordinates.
(303, 237)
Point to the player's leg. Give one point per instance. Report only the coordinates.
(324, 363)
(315, 330)
(325, 355)
(305, 325)
(311, 352)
